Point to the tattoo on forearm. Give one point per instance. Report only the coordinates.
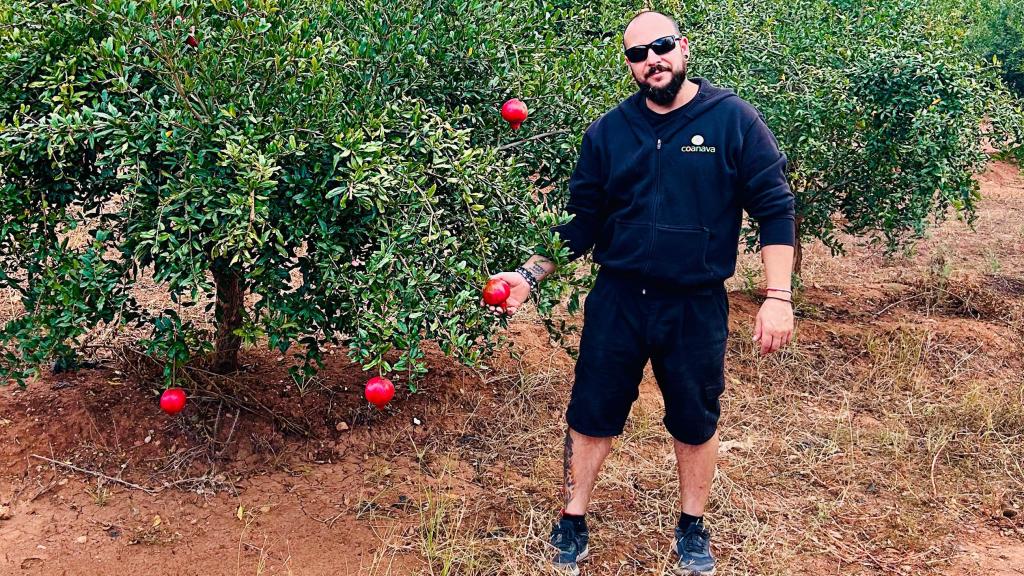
(570, 482)
(537, 269)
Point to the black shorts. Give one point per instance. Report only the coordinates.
(681, 331)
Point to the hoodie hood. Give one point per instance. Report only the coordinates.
(708, 96)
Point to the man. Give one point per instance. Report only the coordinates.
(658, 193)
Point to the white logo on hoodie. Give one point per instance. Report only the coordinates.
(698, 145)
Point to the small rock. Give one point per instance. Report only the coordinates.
(148, 439)
(739, 445)
(82, 539)
(5, 512)
(416, 421)
(341, 427)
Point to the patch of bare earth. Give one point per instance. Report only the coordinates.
(886, 440)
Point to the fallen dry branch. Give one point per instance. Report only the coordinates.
(206, 480)
(96, 474)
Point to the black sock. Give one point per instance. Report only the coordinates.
(685, 520)
(578, 521)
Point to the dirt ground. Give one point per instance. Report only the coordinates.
(888, 439)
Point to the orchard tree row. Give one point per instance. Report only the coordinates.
(344, 166)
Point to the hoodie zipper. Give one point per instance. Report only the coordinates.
(657, 202)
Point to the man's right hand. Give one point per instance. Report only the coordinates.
(519, 293)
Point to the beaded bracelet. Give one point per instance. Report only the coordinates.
(779, 299)
(530, 278)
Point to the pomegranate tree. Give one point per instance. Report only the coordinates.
(234, 157)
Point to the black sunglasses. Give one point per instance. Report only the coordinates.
(663, 45)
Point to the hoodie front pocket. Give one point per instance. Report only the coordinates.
(679, 252)
(624, 245)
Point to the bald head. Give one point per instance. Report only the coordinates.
(648, 24)
(656, 54)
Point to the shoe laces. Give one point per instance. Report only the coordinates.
(563, 534)
(695, 539)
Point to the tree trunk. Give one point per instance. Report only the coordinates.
(228, 314)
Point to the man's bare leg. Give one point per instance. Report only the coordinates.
(696, 467)
(582, 460)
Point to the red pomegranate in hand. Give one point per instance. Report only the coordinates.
(514, 112)
(379, 391)
(172, 400)
(496, 291)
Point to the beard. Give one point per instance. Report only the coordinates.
(665, 95)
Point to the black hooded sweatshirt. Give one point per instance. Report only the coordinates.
(666, 205)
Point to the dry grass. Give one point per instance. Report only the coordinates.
(843, 456)
(100, 493)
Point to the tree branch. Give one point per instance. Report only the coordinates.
(97, 474)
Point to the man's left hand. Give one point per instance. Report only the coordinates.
(773, 327)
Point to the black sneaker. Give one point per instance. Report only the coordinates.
(571, 546)
(694, 548)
